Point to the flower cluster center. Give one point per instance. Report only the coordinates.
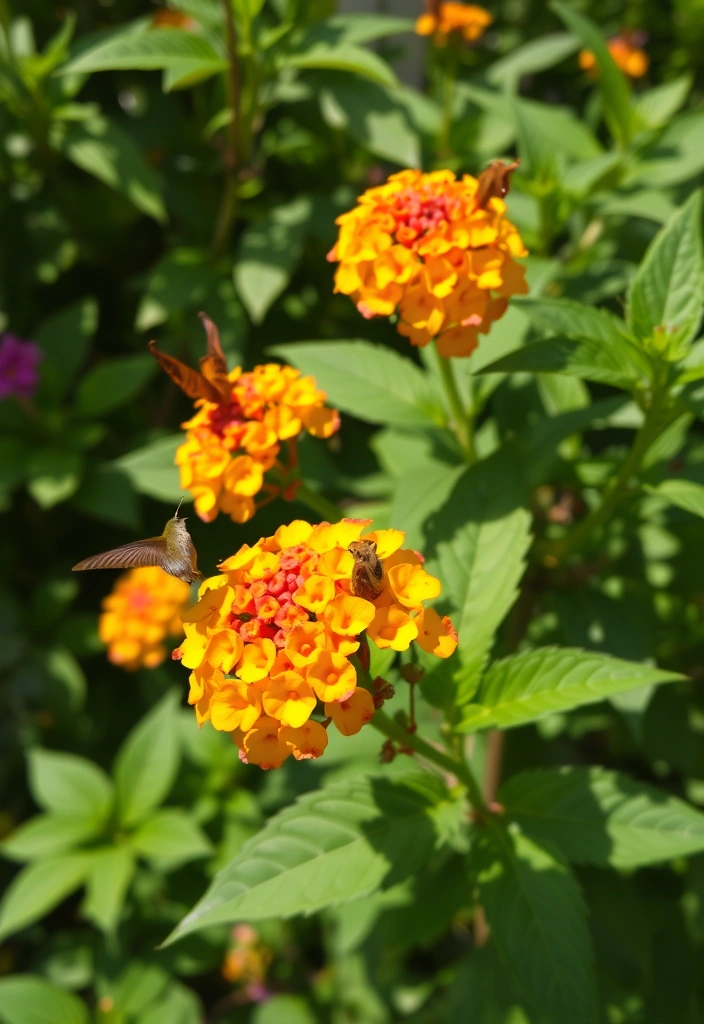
(220, 417)
(418, 211)
(266, 608)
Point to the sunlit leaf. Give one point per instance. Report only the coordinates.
(332, 845)
(525, 687)
(369, 381)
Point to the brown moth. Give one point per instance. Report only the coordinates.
(173, 552)
(495, 181)
(211, 382)
(367, 573)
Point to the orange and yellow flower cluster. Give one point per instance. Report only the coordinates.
(231, 445)
(626, 51)
(429, 247)
(466, 20)
(144, 607)
(273, 636)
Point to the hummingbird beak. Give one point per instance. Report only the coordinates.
(179, 506)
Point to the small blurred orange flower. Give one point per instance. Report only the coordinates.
(234, 442)
(625, 48)
(282, 621)
(247, 962)
(468, 20)
(144, 607)
(437, 250)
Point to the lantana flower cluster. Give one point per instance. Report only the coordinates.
(144, 608)
(271, 640)
(230, 446)
(467, 20)
(626, 50)
(427, 247)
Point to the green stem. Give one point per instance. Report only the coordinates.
(228, 204)
(330, 512)
(395, 731)
(554, 552)
(460, 417)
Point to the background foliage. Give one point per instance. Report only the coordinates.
(124, 213)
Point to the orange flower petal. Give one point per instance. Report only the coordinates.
(263, 746)
(435, 635)
(412, 585)
(393, 627)
(351, 714)
(310, 740)
(332, 676)
(256, 660)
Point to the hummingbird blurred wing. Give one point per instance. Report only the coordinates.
(214, 364)
(128, 556)
(191, 382)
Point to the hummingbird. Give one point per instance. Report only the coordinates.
(173, 552)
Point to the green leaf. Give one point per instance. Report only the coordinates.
(659, 105)
(107, 152)
(291, 1009)
(369, 381)
(112, 383)
(345, 57)
(373, 115)
(106, 886)
(152, 469)
(356, 28)
(476, 544)
(28, 999)
(538, 923)
(177, 1005)
(54, 475)
(677, 157)
(149, 51)
(525, 687)
(615, 90)
(147, 762)
(46, 835)
(593, 816)
(65, 340)
(14, 456)
(575, 320)
(331, 846)
(589, 359)
(268, 254)
(413, 506)
(181, 280)
(170, 838)
(667, 290)
(570, 136)
(106, 493)
(39, 887)
(68, 785)
(536, 55)
(682, 492)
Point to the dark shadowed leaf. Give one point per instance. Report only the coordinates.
(539, 925)
(593, 816)
(108, 153)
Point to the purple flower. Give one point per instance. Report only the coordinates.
(18, 366)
